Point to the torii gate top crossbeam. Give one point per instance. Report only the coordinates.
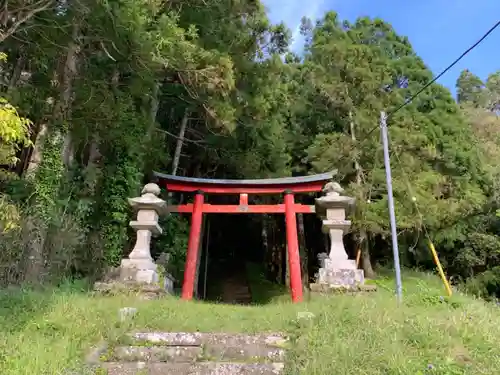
(303, 184)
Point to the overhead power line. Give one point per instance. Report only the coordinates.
(448, 67)
(465, 53)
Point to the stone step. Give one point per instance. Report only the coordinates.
(244, 353)
(238, 300)
(200, 368)
(168, 338)
(235, 296)
(156, 354)
(241, 292)
(236, 291)
(180, 354)
(271, 340)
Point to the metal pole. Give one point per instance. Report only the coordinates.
(392, 215)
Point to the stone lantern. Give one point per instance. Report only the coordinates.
(139, 266)
(336, 269)
(138, 272)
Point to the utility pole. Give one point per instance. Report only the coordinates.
(390, 199)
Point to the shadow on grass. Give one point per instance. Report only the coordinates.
(264, 291)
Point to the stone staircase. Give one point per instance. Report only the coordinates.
(162, 353)
(235, 290)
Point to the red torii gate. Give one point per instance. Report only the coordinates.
(289, 186)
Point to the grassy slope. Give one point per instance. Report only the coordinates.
(45, 333)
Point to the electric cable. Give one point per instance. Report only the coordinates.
(443, 72)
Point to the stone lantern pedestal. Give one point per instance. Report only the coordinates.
(139, 272)
(336, 271)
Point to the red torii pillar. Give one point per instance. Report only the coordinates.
(193, 247)
(293, 247)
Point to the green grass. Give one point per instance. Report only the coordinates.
(264, 291)
(49, 332)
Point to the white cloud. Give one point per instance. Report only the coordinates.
(291, 12)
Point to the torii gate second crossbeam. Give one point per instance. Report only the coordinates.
(289, 186)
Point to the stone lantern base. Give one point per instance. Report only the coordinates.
(139, 271)
(342, 278)
(135, 278)
(326, 289)
(343, 273)
(338, 274)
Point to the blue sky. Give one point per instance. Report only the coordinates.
(439, 30)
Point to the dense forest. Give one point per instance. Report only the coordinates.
(95, 95)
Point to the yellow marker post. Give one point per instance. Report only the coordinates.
(440, 269)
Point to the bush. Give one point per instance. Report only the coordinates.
(485, 285)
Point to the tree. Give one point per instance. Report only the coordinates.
(493, 92)
(470, 89)
(14, 133)
(15, 14)
(374, 69)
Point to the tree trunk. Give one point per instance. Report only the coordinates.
(304, 265)
(36, 154)
(180, 143)
(62, 110)
(16, 73)
(67, 152)
(153, 111)
(264, 235)
(13, 83)
(20, 17)
(94, 153)
(178, 150)
(366, 263)
(36, 259)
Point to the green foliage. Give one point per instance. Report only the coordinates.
(113, 82)
(14, 133)
(48, 178)
(121, 173)
(264, 291)
(173, 241)
(485, 284)
(470, 89)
